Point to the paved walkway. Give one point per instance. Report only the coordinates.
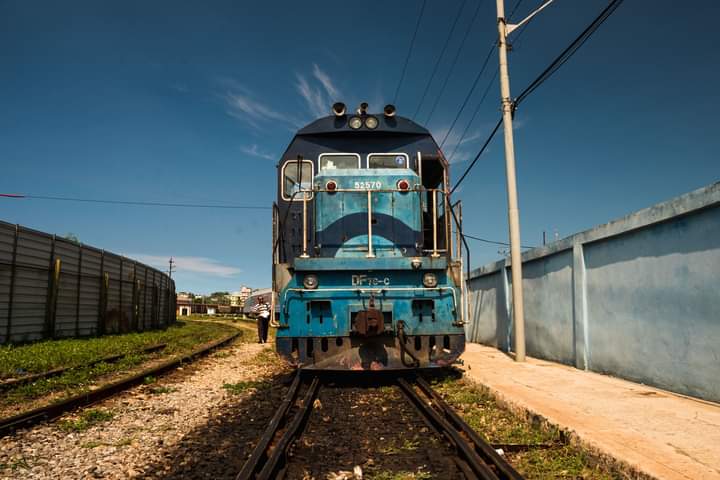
(659, 433)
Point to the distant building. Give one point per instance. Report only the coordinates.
(237, 299)
(184, 305)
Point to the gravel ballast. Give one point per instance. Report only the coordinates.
(157, 430)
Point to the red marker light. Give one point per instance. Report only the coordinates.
(403, 185)
(331, 186)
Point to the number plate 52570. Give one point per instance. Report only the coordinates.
(368, 185)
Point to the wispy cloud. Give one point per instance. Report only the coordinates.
(465, 148)
(255, 151)
(243, 104)
(318, 91)
(327, 83)
(313, 97)
(202, 265)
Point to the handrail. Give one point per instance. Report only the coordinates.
(370, 253)
(435, 250)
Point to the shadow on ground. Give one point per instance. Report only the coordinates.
(219, 448)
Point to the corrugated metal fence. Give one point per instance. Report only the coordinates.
(52, 288)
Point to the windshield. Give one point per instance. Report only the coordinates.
(333, 161)
(387, 160)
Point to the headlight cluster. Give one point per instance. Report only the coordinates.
(357, 122)
(310, 281)
(430, 280)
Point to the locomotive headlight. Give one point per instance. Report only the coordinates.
(403, 185)
(310, 281)
(331, 186)
(429, 280)
(371, 122)
(355, 122)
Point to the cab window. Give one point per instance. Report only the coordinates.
(335, 161)
(388, 160)
(297, 178)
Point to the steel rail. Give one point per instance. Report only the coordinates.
(474, 452)
(49, 412)
(484, 449)
(264, 465)
(259, 454)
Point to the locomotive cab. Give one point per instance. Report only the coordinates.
(363, 268)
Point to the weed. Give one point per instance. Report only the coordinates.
(498, 425)
(124, 442)
(240, 387)
(20, 463)
(162, 390)
(265, 357)
(385, 475)
(149, 380)
(91, 444)
(87, 419)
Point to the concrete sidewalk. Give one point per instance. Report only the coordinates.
(656, 432)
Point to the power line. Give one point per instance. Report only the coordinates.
(487, 89)
(132, 202)
(437, 62)
(570, 50)
(472, 164)
(407, 59)
(454, 62)
(477, 109)
(517, 5)
(493, 242)
(467, 97)
(554, 66)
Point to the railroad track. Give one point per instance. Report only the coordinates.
(54, 410)
(474, 457)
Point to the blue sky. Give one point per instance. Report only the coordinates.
(193, 102)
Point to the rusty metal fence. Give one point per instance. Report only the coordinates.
(51, 287)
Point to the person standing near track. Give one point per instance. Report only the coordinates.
(262, 311)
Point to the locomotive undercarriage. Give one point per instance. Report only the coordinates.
(387, 351)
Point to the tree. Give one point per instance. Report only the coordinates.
(72, 237)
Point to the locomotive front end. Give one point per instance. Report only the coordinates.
(364, 273)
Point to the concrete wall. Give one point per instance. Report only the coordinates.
(637, 298)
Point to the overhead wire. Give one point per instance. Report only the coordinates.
(570, 50)
(454, 62)
(472, 118)
(133, 202)
(407, 59)
(469, 94)
(439, 59)
(494, 242)
(558, 62)
(487, 90)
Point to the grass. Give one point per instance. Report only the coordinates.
(162, 390)
(401, 476)
(17, 360)
(244, 386)
(86, 419)
(94, 443)
(407, 446)
(500, 426)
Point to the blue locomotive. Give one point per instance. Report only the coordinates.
(367, 269)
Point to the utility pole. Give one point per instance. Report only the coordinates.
(508, 107)
(172, 268)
